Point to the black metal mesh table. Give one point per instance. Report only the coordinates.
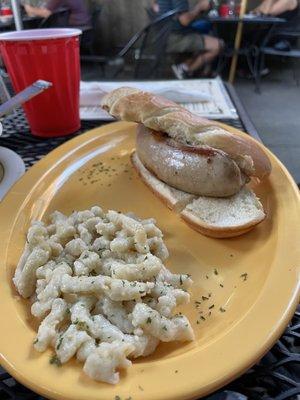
(276, 376)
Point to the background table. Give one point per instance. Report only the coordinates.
(28, 22)
(276, 376)
(262, 20)
(258, 29)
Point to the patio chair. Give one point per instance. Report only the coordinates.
(290, 32)
(148, 47)
(88, 33)
(151, 13)
(58, 19)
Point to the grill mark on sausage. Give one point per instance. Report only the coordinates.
(202, 150)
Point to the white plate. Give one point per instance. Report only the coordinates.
(13, 168)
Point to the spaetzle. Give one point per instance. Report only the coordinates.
(98, 285)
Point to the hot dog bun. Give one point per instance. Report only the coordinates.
(163, 115)
(214, 217)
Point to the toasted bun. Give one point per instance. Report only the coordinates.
(199, 170)
(163, 115)
(214, 217)
(222, 218)
(175, 199)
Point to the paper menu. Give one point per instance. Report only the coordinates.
(212, 102)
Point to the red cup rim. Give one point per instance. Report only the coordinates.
(39, 34)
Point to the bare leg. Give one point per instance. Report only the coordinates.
(212, 48)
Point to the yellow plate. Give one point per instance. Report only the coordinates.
(257, 306)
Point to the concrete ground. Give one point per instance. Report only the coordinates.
(275, 112)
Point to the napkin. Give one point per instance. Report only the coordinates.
(183, 96)
(91, 97)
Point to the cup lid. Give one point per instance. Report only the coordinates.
(39, 34)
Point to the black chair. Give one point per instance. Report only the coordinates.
(148, 47)
(152, 15)
(289, 33)
(58, 19)
(31, 22)
(87, 38)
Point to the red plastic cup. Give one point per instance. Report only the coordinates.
(51, 55)
(6, 11)
(224, 10)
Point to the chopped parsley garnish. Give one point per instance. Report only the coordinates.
(203, 318)
(165, 328)
(82, 326)
(148, 320)
(210, 307)
(140, 387)
(206, 276)
(216, 271)
(204, 298)
(221, 285)
(59, 342)
(180, 279)
(35, 341)
(55, 360)
(244, 276)
(222, 309)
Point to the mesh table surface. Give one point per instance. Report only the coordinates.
(276, 376)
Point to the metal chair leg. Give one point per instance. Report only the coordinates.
(4, 93)
(102, 66)
(260, 66)
(295, 73)
(222, 61)
(253, 65)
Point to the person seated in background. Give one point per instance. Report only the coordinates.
(277, 8)
(287, 9)
(183, 39)
(199, 25)
(79, 16)
(154, 6)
